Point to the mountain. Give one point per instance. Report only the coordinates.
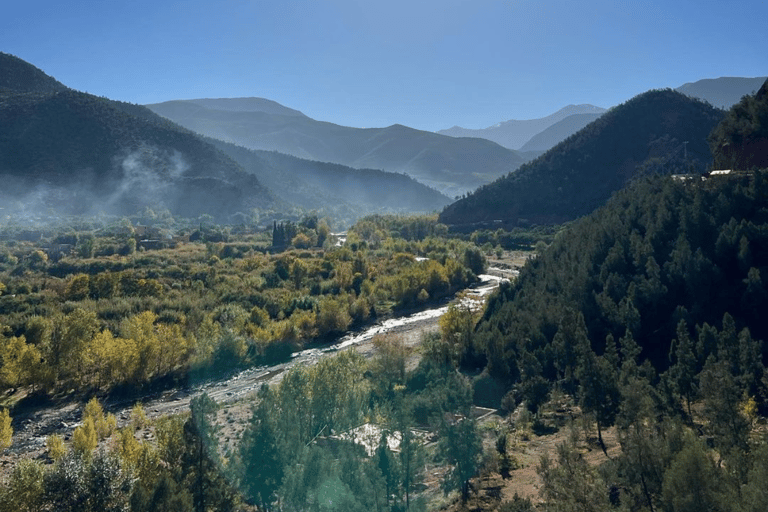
(561, 130)
(334, 190)
(64, 151)
(722, 92)
(513, 134)
(449, 165)
(660, 131)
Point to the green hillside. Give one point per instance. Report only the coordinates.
(647, 134)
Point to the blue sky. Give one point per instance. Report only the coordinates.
(422, 63)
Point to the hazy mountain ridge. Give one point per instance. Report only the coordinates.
(444, 163)
(514, 134)
(329, 187)
(66, 151)
(644, 135)
(723, 92)
(558, 132)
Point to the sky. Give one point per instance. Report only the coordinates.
(427, 64)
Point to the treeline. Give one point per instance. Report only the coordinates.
(92, 321)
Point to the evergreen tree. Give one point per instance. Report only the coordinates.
(261, 459)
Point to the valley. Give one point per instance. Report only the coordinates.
(226, 305)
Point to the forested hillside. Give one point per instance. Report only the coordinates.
(650, 313)
(644, 135)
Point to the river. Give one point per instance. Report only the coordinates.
(32, 429)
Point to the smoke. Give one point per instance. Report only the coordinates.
(139, 178)
(146, 178)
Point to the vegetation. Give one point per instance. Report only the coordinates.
(638, 311)
(103, 315)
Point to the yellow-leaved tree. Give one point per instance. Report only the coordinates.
(6, 431)
(19, 361)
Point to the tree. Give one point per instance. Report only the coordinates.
(261, 459)
(692, 482)
(23, 491)
(109, 484)
(65, 486)
(571, 485)
(683, 369)
(165, 495)
(598, 389)
(721, 397)
(461, 446)
(456, 330)
(6, 431)
(388, 364)
(84, 438)
(200, 459)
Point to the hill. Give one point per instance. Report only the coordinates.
(335, 190)
(722, 92)
(647, 134)
(444, 163)
(514, 134)
(63, 151)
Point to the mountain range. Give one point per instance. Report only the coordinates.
(449, 165)
(722, 92)
(659, 131)
(514, 134)
(542, 134)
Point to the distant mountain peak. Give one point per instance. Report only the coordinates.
(514, 133)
